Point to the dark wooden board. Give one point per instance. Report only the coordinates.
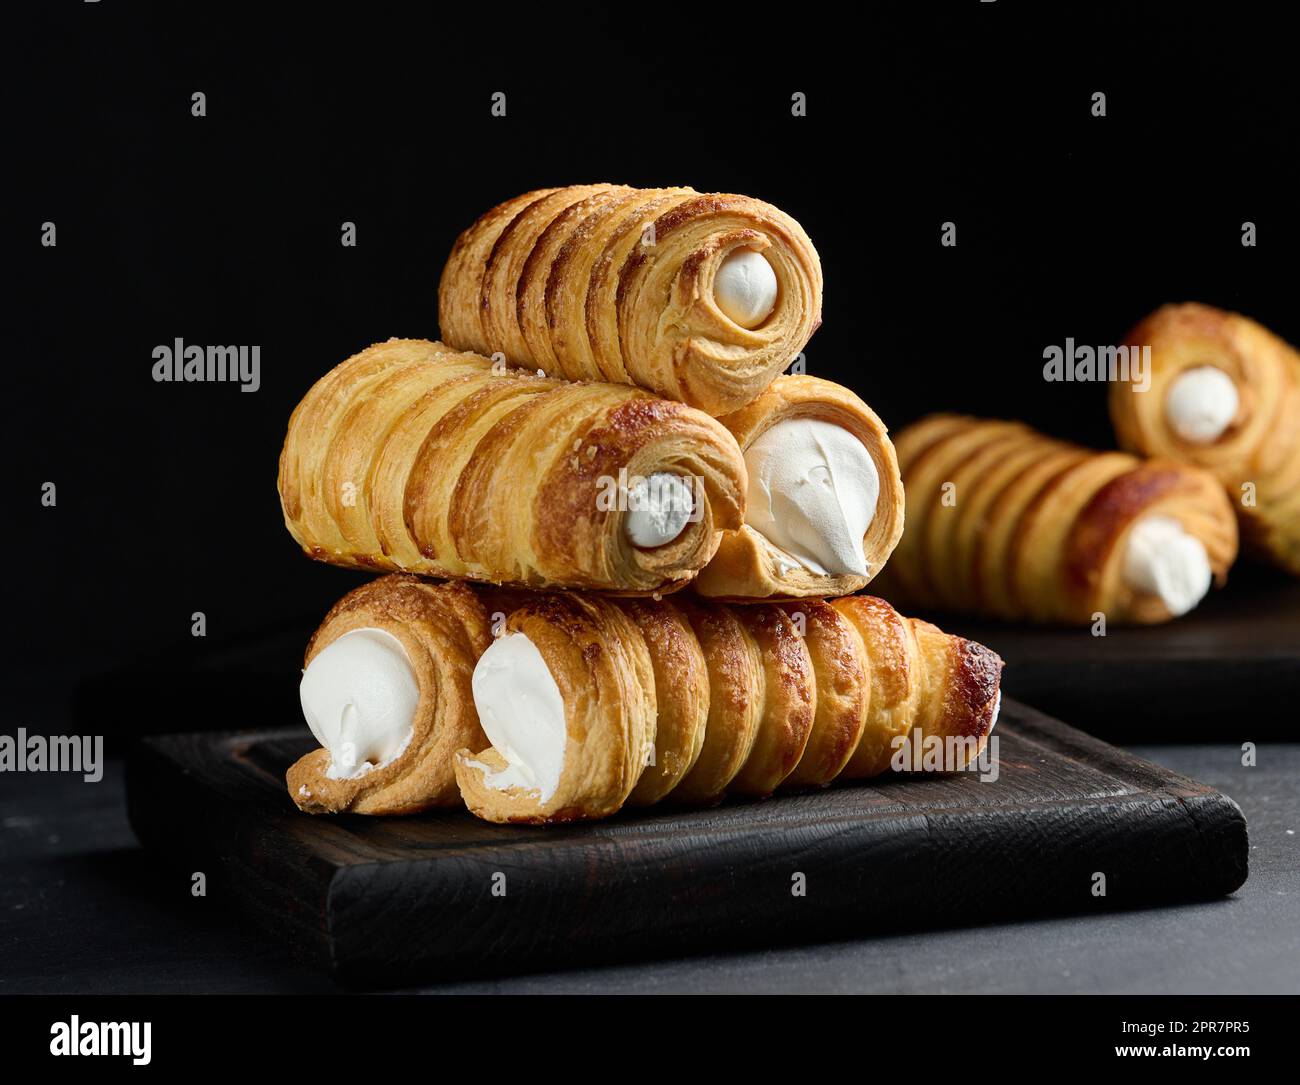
(1227, 672)
(390, 901)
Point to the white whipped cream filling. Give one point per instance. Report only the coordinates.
(813, 490)
(1164, 559)
(1201, 403)
(522, 713)
(359, 696)
(745, 288)
(659, 508)
(997, 708)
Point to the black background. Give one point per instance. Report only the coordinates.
(225, 230)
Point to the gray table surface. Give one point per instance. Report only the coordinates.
(84, 910)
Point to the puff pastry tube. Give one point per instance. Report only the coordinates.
(411, 456)
(760, 697)
(441, 630)
(1224, 394)
(1005, 522)
(787, 547)
(703, 298)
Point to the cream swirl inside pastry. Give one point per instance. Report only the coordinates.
(659, 508)
(522, 713)
(745, 288)
(813, 490)
(359, 695)
(1201, 403)
(1163, 558)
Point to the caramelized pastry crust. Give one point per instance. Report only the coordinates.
(1005, 522)
(606, 282)
(1257, 456)
(413, 457)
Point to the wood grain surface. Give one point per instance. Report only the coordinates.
(385, 901)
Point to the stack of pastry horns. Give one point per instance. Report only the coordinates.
(621, 543)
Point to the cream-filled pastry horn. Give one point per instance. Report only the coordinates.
(566, 696)
(591, 704)
(1006, 522)
(702, 298)
(824, 507)
(386, 691)
(411, 456)
(581, 705)
(1223, 393)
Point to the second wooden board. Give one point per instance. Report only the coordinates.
(1227, 672)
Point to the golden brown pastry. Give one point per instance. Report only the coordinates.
(842, 677)
(703, 298)
(794, 695)
(386, 690)
(410, 456)
(567, 696)
(1006, 522)
(924, 684)
(581, 704)
(734, 705)
(1223, 393)
(825, 503)
(681, 682)
(789, 700)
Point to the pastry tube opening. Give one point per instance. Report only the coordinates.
(1005, 522)
(824, 508)
(1222, 392)
(702, 298)
(1201, 404)
(359, 696)
(412, 457)
(522, 712)
(386, 689)
(601, 679)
